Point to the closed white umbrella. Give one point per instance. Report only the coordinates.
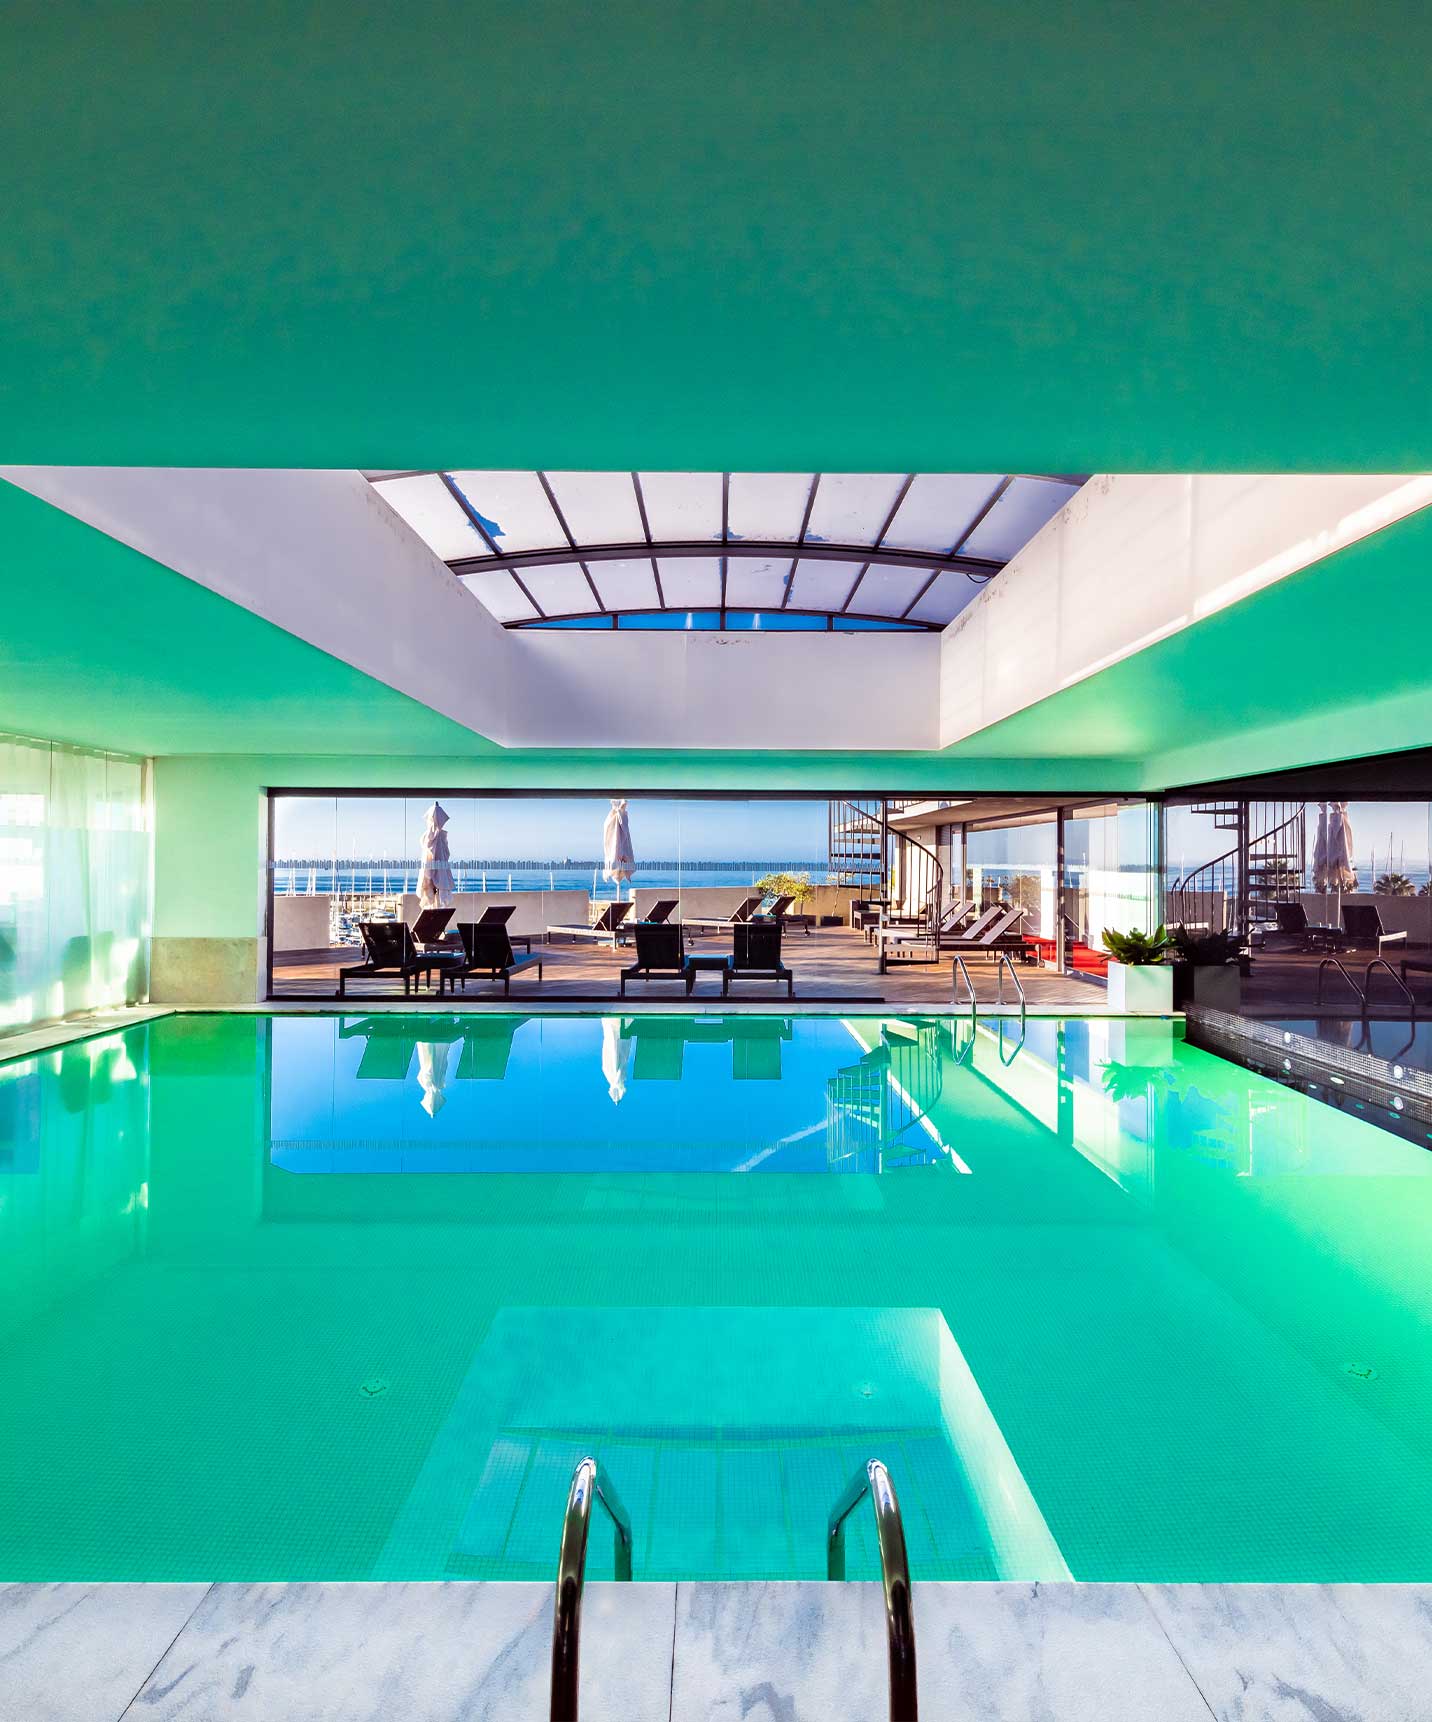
(1320, 850)
(432, 1075)
(1340, 874)
(618, 860)
(435, 874)
(616, 1057)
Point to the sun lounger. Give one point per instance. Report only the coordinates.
(389, 950)
(757, 957)
(604, 929)
(487, 956)
(1362, 925)
(659, 956)
(1001, 934)
(658, 915)
(430, 926)
(947, 926)
(780, 910)
(498, 915)
(737, 918)
(1294, 932)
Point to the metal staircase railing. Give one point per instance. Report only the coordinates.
(1265, 867)
(872, 1106)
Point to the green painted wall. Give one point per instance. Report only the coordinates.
(722, 234)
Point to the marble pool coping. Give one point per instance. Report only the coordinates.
(709, 1652)
(25, 1043)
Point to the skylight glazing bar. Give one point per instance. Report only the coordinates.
(800, 538)
(567, 532)
(646, 533)
(456, 492)
(900, 496)
(990, 501)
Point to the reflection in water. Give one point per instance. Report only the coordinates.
(1109, 1302)
(432, 1075)
(616, 1058)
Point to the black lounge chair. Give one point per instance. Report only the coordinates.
(389, 948)
(659, 956)
(1296, 933)
(739, 916)
(487, 956)
(430, 928)
(498, 915)
(1362, 926)
(780, 910)
(757, 957)
(660, 911)
(605, 928)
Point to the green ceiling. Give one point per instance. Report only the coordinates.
(902, 238)
(890, 237)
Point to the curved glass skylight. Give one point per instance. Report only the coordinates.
(731, 550)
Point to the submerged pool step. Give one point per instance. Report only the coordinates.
(720, 1504)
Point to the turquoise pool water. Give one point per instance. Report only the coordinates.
(346, 1296)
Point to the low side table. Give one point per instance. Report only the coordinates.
(707, 965)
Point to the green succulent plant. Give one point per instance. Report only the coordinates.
(1204, 949)
(1136, 949)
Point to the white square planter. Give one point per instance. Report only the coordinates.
(1141, 989)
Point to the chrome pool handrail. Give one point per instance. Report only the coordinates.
(874, 1479)
(587, 1481)
(1333, 963)
(1000, 966)
(1397, 981)
(956, 972)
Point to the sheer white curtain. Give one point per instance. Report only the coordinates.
(75, 880)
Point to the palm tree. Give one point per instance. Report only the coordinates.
(1393, 885)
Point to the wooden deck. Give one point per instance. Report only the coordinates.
(832, 965)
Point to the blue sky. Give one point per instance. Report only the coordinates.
(550, 828)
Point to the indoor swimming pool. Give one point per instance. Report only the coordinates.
(346, 1296)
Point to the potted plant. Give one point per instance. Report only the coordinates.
(1140, 980)
(1207, 970)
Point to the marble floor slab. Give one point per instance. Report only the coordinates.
(80, 1652)
(765, 1652)
(754, 1652)
(1304, 1653)
(408, 1653)
(24, 1043)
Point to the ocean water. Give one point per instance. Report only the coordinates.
(346, 1296)
(295, 878)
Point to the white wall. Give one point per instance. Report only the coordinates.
(1132, 559)
(702, 690)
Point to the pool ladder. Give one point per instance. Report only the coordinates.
(590, 1482)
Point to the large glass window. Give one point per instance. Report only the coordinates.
(1109, 875)
(75, 876)
(338, 860)
(1015, 864)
